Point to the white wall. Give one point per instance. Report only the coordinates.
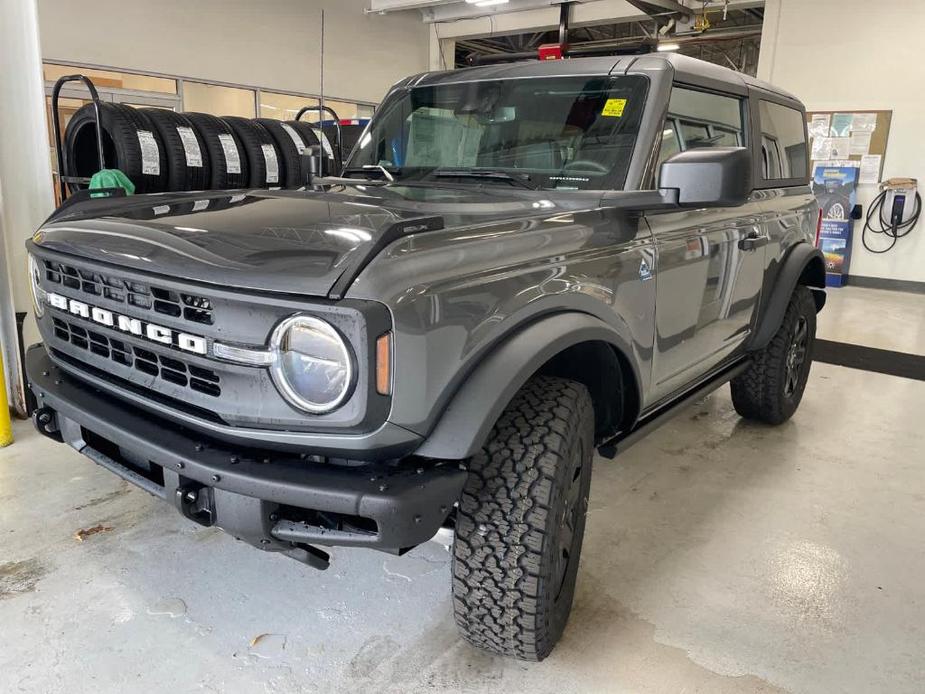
(25, 176)
(857, 54)
(265, 43)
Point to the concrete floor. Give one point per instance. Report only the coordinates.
(874, 318)
(720, 556)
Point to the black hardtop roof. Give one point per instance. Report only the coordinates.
(685, 69)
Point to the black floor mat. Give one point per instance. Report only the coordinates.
(882, 361)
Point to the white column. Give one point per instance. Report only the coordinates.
(26, 196)
(442, 51)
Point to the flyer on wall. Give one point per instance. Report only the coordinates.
(835, 188)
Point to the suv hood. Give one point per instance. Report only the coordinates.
(299, 242)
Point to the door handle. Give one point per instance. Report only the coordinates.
(752, 241)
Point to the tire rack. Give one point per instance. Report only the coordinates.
(64, 179)
(340, 140)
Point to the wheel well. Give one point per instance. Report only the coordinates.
(609, 379)
(813, 275)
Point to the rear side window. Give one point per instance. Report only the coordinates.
(783, 141)
(701, 119)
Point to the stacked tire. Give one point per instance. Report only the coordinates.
(160, 150)
(228, 164)
(188, 164)
(130, 143)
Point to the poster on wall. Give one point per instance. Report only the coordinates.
(835, 188)
(858, 136)
(841, 124)
(870, 169)
(819, 125)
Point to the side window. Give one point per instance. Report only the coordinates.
(701, 119)
(783, 141)
(670, 143)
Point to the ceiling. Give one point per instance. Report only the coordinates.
(732, 41)
(454, 10)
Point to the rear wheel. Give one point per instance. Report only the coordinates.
(521, 521)
(772, 387)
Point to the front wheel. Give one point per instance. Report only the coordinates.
(771, 389)
(521, 521)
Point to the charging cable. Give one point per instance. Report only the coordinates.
(893, 230)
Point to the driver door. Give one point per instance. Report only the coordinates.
(709, 268)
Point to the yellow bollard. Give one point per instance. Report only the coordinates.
(6, 425)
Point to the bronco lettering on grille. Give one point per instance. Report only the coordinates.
(133, 326)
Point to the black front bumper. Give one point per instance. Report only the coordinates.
(272, 499)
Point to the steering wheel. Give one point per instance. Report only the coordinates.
(587, 165)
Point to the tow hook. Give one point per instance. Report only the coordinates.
(46, 421)
(310, 555)
(196, 503)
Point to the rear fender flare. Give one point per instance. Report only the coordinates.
(467, 420)
(804, 264)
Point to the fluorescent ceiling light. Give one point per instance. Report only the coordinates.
(486, 3)
(669, 46)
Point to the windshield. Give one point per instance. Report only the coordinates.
(553, 132)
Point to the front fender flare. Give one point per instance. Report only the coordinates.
(805, 262)
(465, 424)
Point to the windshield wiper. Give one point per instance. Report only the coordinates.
(388, 173)
(522, 180)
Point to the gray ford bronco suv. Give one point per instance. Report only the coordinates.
(521, 265)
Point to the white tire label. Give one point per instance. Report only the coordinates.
(269, 156)
(150, 155)
(296, 138)
(325, 143)
(232, 157)
(190, 145)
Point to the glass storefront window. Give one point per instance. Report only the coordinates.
(343, 109)
(218, 100)
(113, 80)
(283, 106)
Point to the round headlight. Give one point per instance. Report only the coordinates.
(35, 282)
(312, 368)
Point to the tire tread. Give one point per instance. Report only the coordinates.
(499, 574)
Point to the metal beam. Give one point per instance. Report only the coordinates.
(667, 6)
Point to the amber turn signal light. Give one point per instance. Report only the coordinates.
(384, 364)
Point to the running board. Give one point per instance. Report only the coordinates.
(655, 419)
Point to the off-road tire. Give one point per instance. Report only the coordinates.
(511, 595)
(765, 392)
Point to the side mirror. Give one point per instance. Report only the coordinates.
(311, 166)
(709, 176)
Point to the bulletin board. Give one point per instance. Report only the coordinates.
(861, 135)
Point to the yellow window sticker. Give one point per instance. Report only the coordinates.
(614, 108)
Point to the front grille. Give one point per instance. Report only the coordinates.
(160, 366)
(137, 364)
(168, 302)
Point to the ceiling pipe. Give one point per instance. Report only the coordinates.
(629, 45)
